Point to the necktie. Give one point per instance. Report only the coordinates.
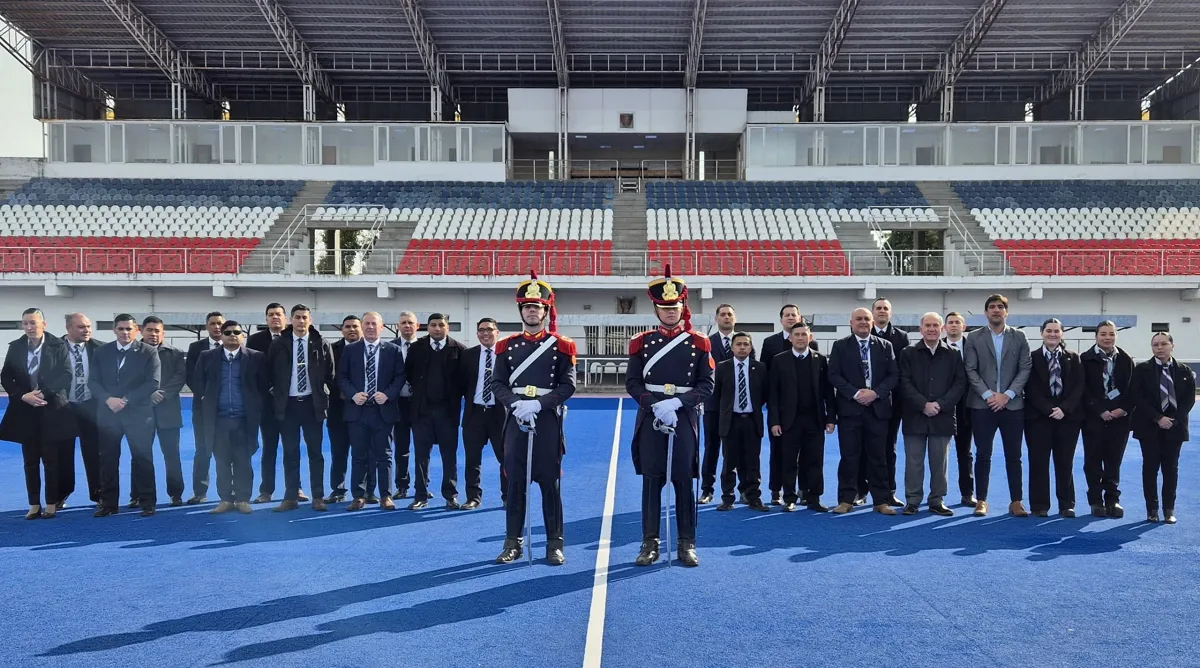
(1110, 361)
(301, 369)
(120, 361)
(80, 379)
(955, 347)
(1166, 388)
(212, 345)
(404, 349)
(864, 354)
(34, 362)
(1055, 375)
(487, 376)
(743, 398)
(437, 345)
(728, 350)
(371, 373)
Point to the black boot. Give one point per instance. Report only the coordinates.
(687, 553)
(649, 553)
(554, 553)
(512, 551)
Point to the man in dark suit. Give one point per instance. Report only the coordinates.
(408, 327)
(722, 349)
(37, 378)
(126, 376)
(772, 346)
(1108, 404)
(432, 369)
(370, 375)
(232, 381)
(740, 386)
(81, 349)
(168, 410)
(932, 381)
(955, 329)
(881, 312)
(483, 418)
(300, 368)
(1053, 417)
(1164, 393)
(202, 463)
(261, 342)
(862, 368)
(802, 411)
(339, 430)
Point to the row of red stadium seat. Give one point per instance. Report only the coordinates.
(508, 245)
(763, 263)
(1050, 262)
(743, 245)
(1115, 244)
(122, 261)
(128, 242)
(505, 263)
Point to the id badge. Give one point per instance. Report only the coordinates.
(531, 391)
(1114, 394)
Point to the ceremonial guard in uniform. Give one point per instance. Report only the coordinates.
(670, 375)
(534, 376)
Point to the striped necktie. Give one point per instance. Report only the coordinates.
(743, 394)
(487, 377)
(728, 349)
(864, 354)
(1055, 375)
(371, 371)
(1166, 388)
(301, 369)
(80, 377)
(34, 362)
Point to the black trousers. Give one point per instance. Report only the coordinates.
(1103, 449)
(1160, 453)
(652, 446)
(339, 455)
(39, 454)
(270, 447)
(300, 416)
(140, 436)
(1050, 439)
(371, 448)
(962, 446)
(713, 447)
(168, 444)
(984, 423)
(202, 462)
(547, 473)
(804, 459)
(437, 427)
(775, 464)
(863, 438)
(485, 425)
(743, 454)
(889, 458)
(402, 438)
(89, 448)
(233, 445)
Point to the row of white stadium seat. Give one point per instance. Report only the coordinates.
(1092, 210)
(206, 233)
(443, 224)
(916, 215)
(394, 215)
(80, 208)
(689, 231)
(1052, 226)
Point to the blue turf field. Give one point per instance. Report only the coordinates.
(419, 589)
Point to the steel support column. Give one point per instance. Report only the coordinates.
(827, 54)
(955, 59)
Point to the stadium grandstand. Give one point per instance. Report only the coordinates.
(428, 155)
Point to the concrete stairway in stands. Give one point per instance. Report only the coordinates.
(288, 261)
(941, 194)
(864, 255)
(388, 250)
(629, 234)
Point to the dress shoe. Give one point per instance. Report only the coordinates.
(860, 501)
(554, 553)
(262, 498)
(35, 513)
(1039, 513)
(816, 507)
(705, 498)
(176, 501)
(60, 505)
(387, 504)
(969, 501)
(511, 551)
(648, 554)
(759, 506)
(149, 512)
(1017, 509)
(1152, 516)
(896, 503)
(335, 498)
(910, 509)
(687, 553)
(776, 499)
(402, 493)
(301, 497)
(789, 507)
(105, 511)
(1067, 512)
(418, 504)
(356, 505)
(981, 509)
(134, 503)
(372, 500)
(1099, 511)
(1169, 516)
(941, 509)
(885, 509)
(1116, 511)
(286, 506)
(197, 500)
(843, 508)
(49, 513)
(469, 505)
(725, 505)
(243, 507)
(452, 504)
(222, 508)
(320, 506)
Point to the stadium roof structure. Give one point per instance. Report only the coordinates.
(782, 50)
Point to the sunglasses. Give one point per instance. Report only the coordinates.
(232, 332)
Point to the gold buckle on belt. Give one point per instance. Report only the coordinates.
(669, 390)
(531, 391)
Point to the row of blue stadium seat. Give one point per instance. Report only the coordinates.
(448, 194)
(784, 195)
(181, 192)
(1078, 194)
(258, 183)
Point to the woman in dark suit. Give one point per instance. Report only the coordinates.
(39, 417)
(1053, 417)
(1164, 392)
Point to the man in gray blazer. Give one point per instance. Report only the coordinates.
(998, 365)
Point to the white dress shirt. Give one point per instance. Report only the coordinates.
(123, 349)
(479, 378)
(293, 390)
(858, 353)
(956, 346)
(800, 355)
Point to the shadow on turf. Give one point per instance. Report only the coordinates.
(428, 614)
(77, 528)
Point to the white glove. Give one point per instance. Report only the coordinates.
(523, 409)
(665, 411)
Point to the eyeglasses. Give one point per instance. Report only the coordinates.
(232, 332)
(485, 330)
